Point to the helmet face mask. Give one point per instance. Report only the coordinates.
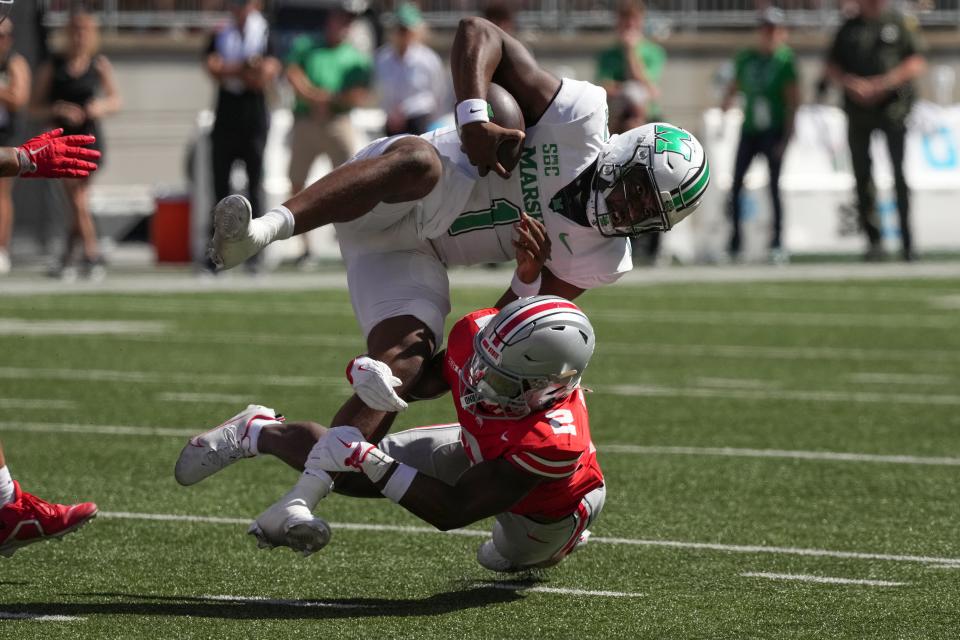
(527, 358)
(632, 205)
(647, 180)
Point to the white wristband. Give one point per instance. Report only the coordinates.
(399, 482)
(522, 289)
(472, 110)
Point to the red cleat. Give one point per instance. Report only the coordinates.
(29, 519)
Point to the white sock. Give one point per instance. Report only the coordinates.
(251, 438)
(312, 487)
(6, 486)
(276, 224)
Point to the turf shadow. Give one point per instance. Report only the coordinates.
(209, 607)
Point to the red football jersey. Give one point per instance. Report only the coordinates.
(554, 444)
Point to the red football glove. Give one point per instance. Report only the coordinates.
(53, 155)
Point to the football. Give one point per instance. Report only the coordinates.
(507, 114)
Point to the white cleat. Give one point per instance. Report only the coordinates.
(289, 523)
(233, 242)
(220, 447)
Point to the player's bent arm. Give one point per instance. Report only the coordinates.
(484, 490)
(551, 285)
(431, 383)
(482, 52)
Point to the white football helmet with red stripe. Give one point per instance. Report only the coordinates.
(531, 355)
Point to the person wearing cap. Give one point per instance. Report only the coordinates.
(410, 77)
(240, 59)
(330, 77)
(766, 76)
(875, 58)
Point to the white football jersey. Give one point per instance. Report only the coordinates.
(564, 143)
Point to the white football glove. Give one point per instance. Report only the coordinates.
(345, 449)
(373, 381)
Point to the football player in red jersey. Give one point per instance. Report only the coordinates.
(24, 518)
(521, 450)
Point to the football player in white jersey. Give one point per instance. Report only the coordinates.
(405, 208)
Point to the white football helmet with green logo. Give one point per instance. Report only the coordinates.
(647, 179)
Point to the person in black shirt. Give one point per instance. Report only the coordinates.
(74, 90)
(241, 60)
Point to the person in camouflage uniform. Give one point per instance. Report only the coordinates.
(875, 57)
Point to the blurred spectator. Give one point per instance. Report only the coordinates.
(630, 71)
(501, 14)
(74, 90)
(14, 94)
(329, 78)
(411, 78)
(766, 76)
(240, 59)
(875, 57)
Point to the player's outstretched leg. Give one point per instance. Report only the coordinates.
(407, 171)
(221, 446)
(27, 519)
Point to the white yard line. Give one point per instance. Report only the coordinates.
(34, 327)
(822, 579)
(98, 429)
(779, 394)
(182, 377)
(37, 617)
(158, 377)
(749, 352)
(175, 396)
(735, 383)
(782, 319)
(675, 544)
(606, 449)
(36, 403)
(900, 378)
(513, 586)
(833, 456)
(283, 602)
(181, 307)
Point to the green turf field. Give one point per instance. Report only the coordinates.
(721, 412)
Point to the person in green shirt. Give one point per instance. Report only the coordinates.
(875, 57)
(766, 76)
(329, 78)
(630, 71)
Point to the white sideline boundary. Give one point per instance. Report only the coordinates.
(605, 448)
(476, 533)
(797, 577)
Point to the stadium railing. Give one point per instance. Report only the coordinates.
(546, 14)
